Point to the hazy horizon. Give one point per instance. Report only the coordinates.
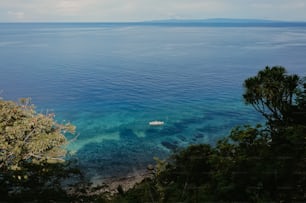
(173, 20)
(148, 10)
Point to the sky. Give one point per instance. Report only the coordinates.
(146, 10)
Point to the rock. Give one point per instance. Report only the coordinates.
(150, 167)
(199, 136)
(181, 138)
(169, 145)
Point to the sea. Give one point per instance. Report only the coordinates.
(111, 79)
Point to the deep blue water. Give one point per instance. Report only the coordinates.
(111, 80)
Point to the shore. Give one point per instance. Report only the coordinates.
(126, 182)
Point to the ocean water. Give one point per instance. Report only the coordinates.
(111, 80)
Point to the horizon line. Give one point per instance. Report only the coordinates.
(174, 20)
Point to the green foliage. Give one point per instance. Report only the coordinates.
(35, 182)
(142, 192)
(32, 165)
(253, 164)
(272, 93)
(29, 137)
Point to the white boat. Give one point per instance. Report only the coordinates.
(156, 123)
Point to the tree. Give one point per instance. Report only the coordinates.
(273, 93)
(29, 137)
(32, 153)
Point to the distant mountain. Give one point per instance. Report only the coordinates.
(228, 22)
(217, 20)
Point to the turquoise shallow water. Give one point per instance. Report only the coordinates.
(112, 80)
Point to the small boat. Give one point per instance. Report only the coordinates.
(156, 123)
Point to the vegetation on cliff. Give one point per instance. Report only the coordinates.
(32, 153)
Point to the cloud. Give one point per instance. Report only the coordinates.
(283, 5)
(16, 15)
(281, 10)
(68, 6)
(73, 7)
(141, 10)
(294, 5)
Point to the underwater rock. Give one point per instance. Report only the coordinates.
(170, 131)
(119, 158)
(180, 125)
(152, 132)
(199, 136)
(169, 145)
(182, 138)
(128, 134)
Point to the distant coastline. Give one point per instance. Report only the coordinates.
(225, 22)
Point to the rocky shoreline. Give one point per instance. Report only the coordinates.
(125, 182)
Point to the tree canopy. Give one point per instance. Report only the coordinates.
(32, 154)
(278, 96)
(29, 137)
